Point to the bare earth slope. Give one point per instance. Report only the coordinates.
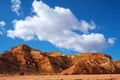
(25, 60)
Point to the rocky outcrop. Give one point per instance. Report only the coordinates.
(8, 63)
(94, 64)
(117, 63)
(30, 61)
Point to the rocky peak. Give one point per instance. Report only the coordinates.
(100, 54)
(21, 48)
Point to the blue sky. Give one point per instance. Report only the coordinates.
(67, 26)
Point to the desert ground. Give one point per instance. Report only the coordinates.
(63, 77)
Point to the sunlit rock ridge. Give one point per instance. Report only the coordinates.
(23, 59)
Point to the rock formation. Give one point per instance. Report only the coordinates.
(25, 60)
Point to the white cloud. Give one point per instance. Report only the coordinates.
(16, 6)
(2, 23)
(56, 26)
(111, 41)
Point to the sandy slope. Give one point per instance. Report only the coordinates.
(63, 77)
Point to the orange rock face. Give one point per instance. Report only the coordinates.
(117, 63)
(28, 60)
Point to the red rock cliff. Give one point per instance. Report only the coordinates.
(28, 60)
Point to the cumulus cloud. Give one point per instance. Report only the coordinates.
(16, 6)
(56, 26)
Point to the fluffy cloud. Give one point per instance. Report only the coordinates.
(2, 24)
(56, 26)
(16, 6)
(111, 41)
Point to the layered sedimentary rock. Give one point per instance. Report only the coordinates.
(30, 61)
